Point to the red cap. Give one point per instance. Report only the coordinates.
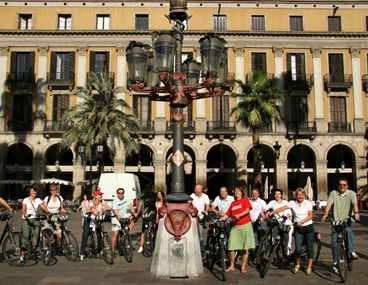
(98, 192)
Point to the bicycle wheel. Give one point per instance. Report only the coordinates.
(128, 248)
(280, 251)
(316, 250)
(107, 249)
(16, 249)
(211, 255)
(342, 261)
(223, 260)
(45, 248)
(350, 261)
(265, 255)
(91, 245)
(148, 244)
(70, 246)
(120, 244)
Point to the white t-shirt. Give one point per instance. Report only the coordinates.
(200, 203)
(30, 210)
(53, 207)
(257, 207)
(273, 205)
(222, 204)
(301, 212)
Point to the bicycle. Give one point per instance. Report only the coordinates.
(103, 246)
(124, 241)
(268, 245)
(216, 244)
(344, 259)
(16, 248)
(149, 233)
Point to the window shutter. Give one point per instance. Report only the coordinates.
(53, 64)
(72, 62)
(107, 62)
(31, 62)
(13, 62)
(92, 61)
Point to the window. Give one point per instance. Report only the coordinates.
(65, 22)
(259, 62)
(258, 23)
(25, 22)
(336, 67)
(366, 23)
(296, 66)
(22, 112)
(296, 23)
(299, 112)
(220, 111)
(103, 22)
(219, 22)
(338, 113)
(334, 24)
(62, 65)
(142, 107)
(22, 65)
(99, 62)
(141, 22)
(60, 105)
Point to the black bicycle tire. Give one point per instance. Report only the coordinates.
(128, 248)
(120, 244)
(317, 246)
(223, 260)
(350, 262)
(91, 246)
(106, 247)
(70, 242)
(211, 253)
(280, 251)
(266, 257)
(342, 261)
(147, 245)
(18, 238)
(45, 248)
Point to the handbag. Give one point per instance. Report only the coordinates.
(305, 230)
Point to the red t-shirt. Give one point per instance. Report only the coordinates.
(237, 207)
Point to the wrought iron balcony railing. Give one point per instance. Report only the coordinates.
(61, 79)
(20, 78)
(300, 80)
(19, 126)
(343, 81)
(51, 126)
(339, 128)
(301, 128)
(99, 74)
(269, 75)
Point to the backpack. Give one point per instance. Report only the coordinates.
(49, 198)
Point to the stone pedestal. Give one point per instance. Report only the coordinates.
(180, 259)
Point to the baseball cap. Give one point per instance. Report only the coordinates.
(97, 192)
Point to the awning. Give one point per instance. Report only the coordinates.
(54, 181)
(9, 181)
(87, 182)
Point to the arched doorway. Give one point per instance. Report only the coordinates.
(221, 169)
(141, 164)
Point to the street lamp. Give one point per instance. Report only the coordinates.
(342, 165)
(277, 147)
(81, 146)
(258, 150)
(302, 163)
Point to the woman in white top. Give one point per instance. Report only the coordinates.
(29, 211)
(274, 205)
(303, 214)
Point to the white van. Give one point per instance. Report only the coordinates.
(110, 182)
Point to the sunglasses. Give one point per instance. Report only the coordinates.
(343, 184)
(121, 193)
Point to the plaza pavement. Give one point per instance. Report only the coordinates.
(96, 271)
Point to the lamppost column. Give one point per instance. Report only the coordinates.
(3, 62)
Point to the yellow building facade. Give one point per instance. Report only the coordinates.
(317, 49)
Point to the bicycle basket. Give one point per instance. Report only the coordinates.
(41, 217)
(124, 221)
(285, 228)
(340, 224)
(63, 219)
(221, 224)
(100, 218)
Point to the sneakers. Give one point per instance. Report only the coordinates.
(82, 257)
(335, 268)
(353, 255)
(21, 258)
(308, 271)
(296, 269)
(140, 250)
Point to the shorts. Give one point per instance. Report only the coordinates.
(115, 224)
(55, 228)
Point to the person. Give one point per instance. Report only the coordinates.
(95, 208)
(30, 206)
(274, 205)
(159, 202)
(202, 203)
(6, 205)
(119, 210)
(54, 205)
(343, 203)
(222, 202)
(241, 234)
(302, 211)
(84, 205)
(257, 217)
(148, 203)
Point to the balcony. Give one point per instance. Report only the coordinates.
(20, 79)
(99, 75)
(147, 128)
(269, 75)
(189, 129)
(339, 128)
(61, 80)
(226, 129)
(50, 129)
(19, 126)
(300, 81)
(301, 130)
(341, 82)
(365, 83)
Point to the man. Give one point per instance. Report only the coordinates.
(222, 202)
(147, 201)
(257, 216)
(344, 203)
(6, 205)
(119, 209)
(202, 203)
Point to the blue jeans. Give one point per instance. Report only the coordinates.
(299, 238)
(259, 231)
(350, 238)
(200, 235)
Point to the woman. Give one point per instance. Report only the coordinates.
(303, 214)
(84, 206)
(241, 234)
(29, 211)
(281, 215)
(159, 201)
(95, 208)
(6, 205)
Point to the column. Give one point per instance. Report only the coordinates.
(200, 121)
(359, 124)
(282, 176)
(119, 160)
(121, 70)
(361, 175)
(41, 88)
(322, 180)
(201, 172)
(82, 68)
(38, 172)
(239, 67)
(78, 175)
(321, 124)
(160, 172)
(241, 174)
(3, 68)
(279, 73)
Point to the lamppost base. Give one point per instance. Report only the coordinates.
(179, 197)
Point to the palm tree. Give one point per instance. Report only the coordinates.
(100, 117)
(257, 110)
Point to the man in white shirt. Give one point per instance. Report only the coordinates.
(256, 216)
(202, 203)
(222, 202)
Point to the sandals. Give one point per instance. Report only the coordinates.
(308, 271)
(296, 269)
(230, 270)
(243, 271)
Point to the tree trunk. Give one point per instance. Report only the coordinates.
(257, 165)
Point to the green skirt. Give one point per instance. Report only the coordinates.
(241, 237)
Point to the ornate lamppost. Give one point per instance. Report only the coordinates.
(179, 84)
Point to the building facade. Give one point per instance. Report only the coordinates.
(317, 49)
